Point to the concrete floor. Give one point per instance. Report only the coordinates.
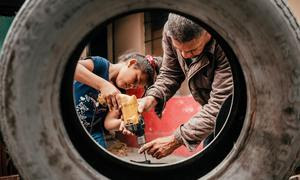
(134, 155)
(129, 154)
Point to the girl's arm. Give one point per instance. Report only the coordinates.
(84, 74)
(113, 122)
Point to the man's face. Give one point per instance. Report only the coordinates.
(193, 47)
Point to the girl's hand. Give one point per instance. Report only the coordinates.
(124, 130)
(109, 93)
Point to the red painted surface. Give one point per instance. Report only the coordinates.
(139, 92)
(178, 110)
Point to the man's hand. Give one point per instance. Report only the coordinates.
(146, 103)
(109, 93)
(160, 147)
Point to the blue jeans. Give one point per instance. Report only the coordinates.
(98, 136)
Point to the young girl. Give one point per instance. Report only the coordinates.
(96, 75)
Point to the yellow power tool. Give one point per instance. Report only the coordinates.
(134, 122)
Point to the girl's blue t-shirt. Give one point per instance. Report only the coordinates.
(88, 110)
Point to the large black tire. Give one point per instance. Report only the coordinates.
(263, 35)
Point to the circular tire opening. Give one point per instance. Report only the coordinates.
(230, 121)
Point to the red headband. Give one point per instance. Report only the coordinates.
(151, 61)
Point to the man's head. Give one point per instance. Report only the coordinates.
(187, 36)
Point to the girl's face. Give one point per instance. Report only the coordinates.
(130, 76)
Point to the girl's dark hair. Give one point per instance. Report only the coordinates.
(145, 64)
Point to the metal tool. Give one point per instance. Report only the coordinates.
(138, 130)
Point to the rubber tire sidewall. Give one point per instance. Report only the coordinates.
(45, 34)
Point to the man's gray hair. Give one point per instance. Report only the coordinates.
(183, 29)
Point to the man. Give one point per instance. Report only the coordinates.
(189, 53)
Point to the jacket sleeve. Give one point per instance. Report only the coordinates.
(170, 75)
(202, 124)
